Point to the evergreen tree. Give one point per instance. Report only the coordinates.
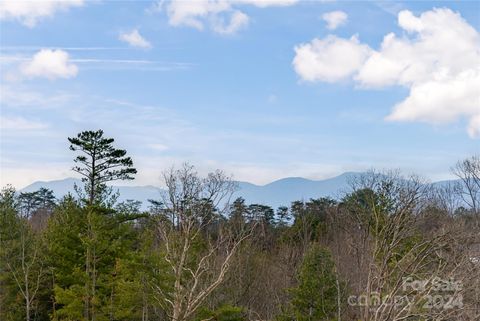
(99, 162)
(37, 206)
(238, 214)
(261, 213)
(28, 203)
(283, 216)
(315, 296)
(85, 247)
(87, 242)
(134, 274)
(310, 220)
(9, 304)
(46, 198)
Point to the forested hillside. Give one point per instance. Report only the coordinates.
(393, 248)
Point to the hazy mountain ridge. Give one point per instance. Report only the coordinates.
(62, 187)
(277, 193)
(286, 190)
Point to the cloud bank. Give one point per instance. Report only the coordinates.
(437, 59)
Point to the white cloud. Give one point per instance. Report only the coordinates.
(134, 39)
(50, 64)
(192, 13)
(238, 20)
(330, 59)
(222, 16)
(437, 59)
(441, 100)
(30, 12)
(20, 123)
(335, 19)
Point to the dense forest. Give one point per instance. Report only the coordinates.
(392, 248)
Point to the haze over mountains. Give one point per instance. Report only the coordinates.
(275, 194)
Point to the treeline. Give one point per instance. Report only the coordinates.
(196, 256)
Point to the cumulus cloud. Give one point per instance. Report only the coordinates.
(221, 16)
(331, 59)
(134, 39)
(50, 64)
(30, 12)
(335, 19)
(437, 59)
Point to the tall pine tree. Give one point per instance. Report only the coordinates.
(99, 162)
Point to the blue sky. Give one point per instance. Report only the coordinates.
(263, 90)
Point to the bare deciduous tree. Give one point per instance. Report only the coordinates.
(468, 171)
(26, 265)
(387, 210)
(197, 246)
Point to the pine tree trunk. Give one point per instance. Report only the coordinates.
(88, 268)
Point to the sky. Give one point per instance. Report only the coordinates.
(260, 89)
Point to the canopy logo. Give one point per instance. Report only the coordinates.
(433, 293)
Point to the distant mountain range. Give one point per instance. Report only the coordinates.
(64, 186)
(286, 190)
(275, 194)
